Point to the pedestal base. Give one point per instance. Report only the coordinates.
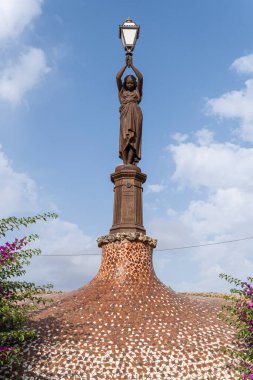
(127, 215)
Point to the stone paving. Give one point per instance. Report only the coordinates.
(126, 325)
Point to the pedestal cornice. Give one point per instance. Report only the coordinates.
(129, 236)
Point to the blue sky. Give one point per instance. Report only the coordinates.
(59, 127)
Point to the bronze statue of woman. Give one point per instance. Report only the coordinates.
(130, 94)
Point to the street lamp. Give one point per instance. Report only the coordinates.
(129, 33)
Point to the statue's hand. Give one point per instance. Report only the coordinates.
(129, 61)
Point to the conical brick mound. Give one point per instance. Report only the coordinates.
(126, 324)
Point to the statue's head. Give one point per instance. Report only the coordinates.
(130, 83)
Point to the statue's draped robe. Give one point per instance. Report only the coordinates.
(130, 122)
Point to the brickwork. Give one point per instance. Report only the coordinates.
(126, 325)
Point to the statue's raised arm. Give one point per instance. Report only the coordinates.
(130, 94)
(139, 76)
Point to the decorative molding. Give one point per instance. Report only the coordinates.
(130, 236)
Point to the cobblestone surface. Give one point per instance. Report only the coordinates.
(125, 325)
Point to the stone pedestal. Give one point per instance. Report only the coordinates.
(127, 214)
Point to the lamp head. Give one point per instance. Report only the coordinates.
(129, 33)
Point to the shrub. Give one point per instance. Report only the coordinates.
(239, 312)
(17, 298)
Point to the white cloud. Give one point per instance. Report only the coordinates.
(20, 77)
(218, 165)
(65, 271)
(18, 192)
(180, 137)
(226, 212)
(15, 15)
(204, 136)
(172, 233)
(234, 104)
(237, 104)
(19, 195)
(155, 188)
(223, 170)
(222, 216)
(217, 179)
(171, 212)
(243, 64)
(209, 262)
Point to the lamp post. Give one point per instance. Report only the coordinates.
(128, 178)
(129, 34)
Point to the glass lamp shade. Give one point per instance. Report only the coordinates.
(129, 33)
